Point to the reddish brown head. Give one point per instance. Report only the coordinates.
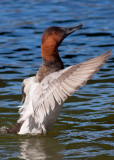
(51, 40)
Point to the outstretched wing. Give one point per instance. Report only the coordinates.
(23, 93)
(56, 87)
(26, 82)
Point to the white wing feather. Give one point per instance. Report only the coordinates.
(48, 96)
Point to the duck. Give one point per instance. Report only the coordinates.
(44, 94)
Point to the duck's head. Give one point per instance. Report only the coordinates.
(52, 38)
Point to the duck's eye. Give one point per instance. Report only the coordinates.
(54, 32)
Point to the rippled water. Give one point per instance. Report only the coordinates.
(84, 129)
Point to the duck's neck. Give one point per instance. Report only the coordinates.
(51, 63)
(49, 52)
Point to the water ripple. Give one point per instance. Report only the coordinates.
(84, 129)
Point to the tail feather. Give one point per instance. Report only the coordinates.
(15, 129)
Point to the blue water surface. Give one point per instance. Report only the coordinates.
(84, 129)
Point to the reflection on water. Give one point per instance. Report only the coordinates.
(40, 148)
(84, 129)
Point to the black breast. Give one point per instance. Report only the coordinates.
(48, 67)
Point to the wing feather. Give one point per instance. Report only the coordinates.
(60, 85)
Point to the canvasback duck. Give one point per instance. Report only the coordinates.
(45, 93)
